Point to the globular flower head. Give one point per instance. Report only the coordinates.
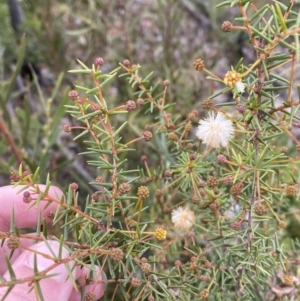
(215, 131)
(198, 64)
(227, 26)
(183, 218)
(291, 190)
(288, 280)
(232, 78)
(160, 233)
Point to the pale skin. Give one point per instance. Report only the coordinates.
(23, 261)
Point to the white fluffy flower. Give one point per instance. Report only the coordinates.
(183, 218)
(240, 87)
(215, 131)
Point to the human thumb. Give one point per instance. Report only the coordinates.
(44, 270)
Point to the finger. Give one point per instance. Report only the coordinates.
(5, 250)
(25, 216)
(95, 290)
(56, 287)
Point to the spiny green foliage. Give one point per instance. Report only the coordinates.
(241, 195)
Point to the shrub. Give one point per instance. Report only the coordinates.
(191, 210)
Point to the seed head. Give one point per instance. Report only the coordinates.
(67, 128)
(99, 61)
(124, 188)
(147, 136)
(236, 225)
(227, 180)
(284, 149)
(288, 280)
(135, 282)
(208, 264)
(260, 209)
(27, 197)
(140, 102)
(73, 95)
(143, 192)
(160, 233)
(236, 189)
(291, 190)
(95, 197)
(212, 182)
(14, 177)
(221, 159)
(166, 83)
(146, 267)
(116, 254)
(203, 278)
(130, 105)
(193, 259)
(178, 263)
(172, 136)
(188, 127)
(198, 64)
(191, 116)
(241, 110)
(159, 193)
(207, 104)
(227, 26)
(74, 186)
(126, 63)
(193, 156)
(214, 206)
(204, 294)
(232, 78)
(282, 224)
(13, 242)
(163, 128)
(168, 173)
(201, 184)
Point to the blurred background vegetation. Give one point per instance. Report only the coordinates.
(163, 36)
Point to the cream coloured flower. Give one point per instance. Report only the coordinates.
(240, 87)
(215, 131)
(183, 218)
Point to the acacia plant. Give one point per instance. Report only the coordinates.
(204, 212)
